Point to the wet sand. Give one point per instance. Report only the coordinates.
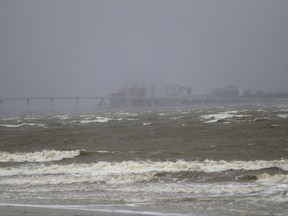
(9, 210)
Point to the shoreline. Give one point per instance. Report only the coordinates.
(62, 210)
(18, 210)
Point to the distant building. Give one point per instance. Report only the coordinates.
(152, 91)
(149, 96)
(229, 91)
(178, 90)
(132, 92)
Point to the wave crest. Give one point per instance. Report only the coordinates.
(41, 156)
(128, 167)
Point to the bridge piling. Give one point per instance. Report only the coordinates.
(51, 104)
(28, 104)
(77, 104)
(1, 104)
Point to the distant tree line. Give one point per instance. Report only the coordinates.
(259, 93)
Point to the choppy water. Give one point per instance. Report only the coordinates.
(210, 161)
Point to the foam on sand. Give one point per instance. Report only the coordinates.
(82, 209)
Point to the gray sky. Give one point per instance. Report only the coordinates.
(92, 47)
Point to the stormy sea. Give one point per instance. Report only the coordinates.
(229, 160)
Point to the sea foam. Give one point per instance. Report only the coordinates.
(135, 167)
(212, 118)
(96, 120)
(283, 115)
(42, 156)
(22, 124)
(97, 209)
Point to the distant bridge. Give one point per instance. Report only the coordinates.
(138, 102)
(51, 100)
(112, 101)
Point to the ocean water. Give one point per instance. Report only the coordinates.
(199, 161)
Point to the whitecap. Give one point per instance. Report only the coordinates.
(135, 167)
(63, 117)
(22, 124)
(261, 119)
(162, 114)
(10, 118)
(126, 114)
(273, 179)
(43, 156)
(12, 125)
(283, 115)
(97, 120)
(212, 118)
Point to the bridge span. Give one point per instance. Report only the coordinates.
(126, 102)
(51, 100)
(100, 102)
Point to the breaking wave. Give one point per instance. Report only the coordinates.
(130, 171)
(22, 124)
(268, 178)
(283, 116)
(96, 120)
(42, 156)
(212, 118)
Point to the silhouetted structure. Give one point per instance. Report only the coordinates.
(229, 91)
(149, 96)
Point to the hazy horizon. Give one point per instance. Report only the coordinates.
(93, 48)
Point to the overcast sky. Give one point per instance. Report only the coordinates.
(93, 47)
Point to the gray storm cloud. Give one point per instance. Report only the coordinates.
(56, 48)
